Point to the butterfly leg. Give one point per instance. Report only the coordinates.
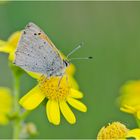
(67, 80)
(60, 81)
(66, 77)
(43, 78)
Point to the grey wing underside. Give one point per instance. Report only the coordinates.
(37, 54)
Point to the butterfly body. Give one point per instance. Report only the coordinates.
(36, 53)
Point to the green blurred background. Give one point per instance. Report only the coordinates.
(111, 34)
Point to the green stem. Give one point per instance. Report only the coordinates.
(19, 117)
(16, 93)
(17, 122)
(137, 121)
(24, 115)
(17, 127)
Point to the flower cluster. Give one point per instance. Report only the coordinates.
(129, 101)
(61, 97)
(58, 96)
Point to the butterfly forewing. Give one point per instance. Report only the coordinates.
(36, 53)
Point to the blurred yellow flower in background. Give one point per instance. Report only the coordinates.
(58, 97)
(117, 130)
(130, 98)
(5, 105)
(10, 45)
(114, 131)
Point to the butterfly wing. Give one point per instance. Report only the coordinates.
(36, 53)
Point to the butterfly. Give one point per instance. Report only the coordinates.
(36, 52)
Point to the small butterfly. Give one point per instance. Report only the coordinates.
(37, 53)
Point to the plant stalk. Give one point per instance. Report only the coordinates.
(17, 121)
(138, 122)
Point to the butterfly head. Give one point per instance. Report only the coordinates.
(66, 63)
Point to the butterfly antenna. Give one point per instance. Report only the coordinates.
(75, 49)
(81, 58)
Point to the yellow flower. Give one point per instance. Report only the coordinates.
(58, 98)
(135, 133)
(116, 131)
(37, 94)
(49, 88)
(113, 131)
(10, 45)
(5, 105)
(130, 98)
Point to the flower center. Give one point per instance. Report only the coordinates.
(54, 88)
(116, 130)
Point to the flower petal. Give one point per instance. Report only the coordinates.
(70, 70)
(76, 94)
(134, 133)
(12, 56)
(48, 111)
(53, 112)
(32, 99)
(77, 104)
(6, 48)
(34, 74)
(73, 82)
(2, 43)
(128, 109)
(14, 38)
(66, 111)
